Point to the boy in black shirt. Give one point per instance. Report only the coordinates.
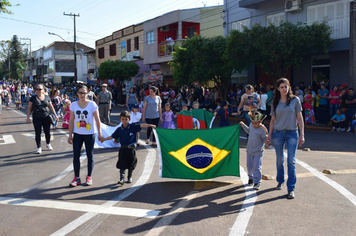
(128, 139)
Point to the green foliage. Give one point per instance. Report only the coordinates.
(202, 59)
(118, 70)
(275, 49)
(4, 5)
(12, 50)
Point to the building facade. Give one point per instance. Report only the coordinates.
(332, 68)
(165, 31)
(126, 44)
(58, 62)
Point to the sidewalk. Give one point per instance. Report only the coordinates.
(115, 113)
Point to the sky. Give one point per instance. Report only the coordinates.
(97, 18)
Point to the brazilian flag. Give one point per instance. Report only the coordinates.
(198, 154)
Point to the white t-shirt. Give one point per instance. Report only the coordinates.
(135, 118)
(83, 118)
(263, 98)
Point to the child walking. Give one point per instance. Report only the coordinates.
(224, 113)
(168, 117)
(128, 138)
(255, 148)
(66, 117)
(135, 118)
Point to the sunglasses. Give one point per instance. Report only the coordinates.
(82, 93)
(38, 89)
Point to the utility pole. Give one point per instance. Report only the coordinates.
(352, 51)
(30, 55)
(9, 66)
(75, 47)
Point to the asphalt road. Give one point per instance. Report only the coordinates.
(35, 198)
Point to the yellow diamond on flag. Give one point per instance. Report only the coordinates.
(199, 156)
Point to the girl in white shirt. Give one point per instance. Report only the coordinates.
(82, 115)
(135, 118)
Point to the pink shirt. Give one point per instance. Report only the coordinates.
(333, 94)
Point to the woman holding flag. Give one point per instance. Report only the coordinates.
(152, 111)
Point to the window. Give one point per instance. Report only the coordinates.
(275, 19)
(136, 47)
(337, 14)
(128, 45)
(101, 53)
(65, 66)
(150, 37)
(191, 31)
(113, 49)
(238, 25)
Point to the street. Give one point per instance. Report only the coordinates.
(35, 198)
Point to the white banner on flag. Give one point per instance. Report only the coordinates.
(106, 131)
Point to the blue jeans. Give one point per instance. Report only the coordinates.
(353, 124)
(279, 139)
(247, 118)
(129, 106)
(333, 108)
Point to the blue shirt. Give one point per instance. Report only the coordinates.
(323, 101)
(128, 135)
(339, 117)
(224, 116)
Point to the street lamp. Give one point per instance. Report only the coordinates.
(75, 55)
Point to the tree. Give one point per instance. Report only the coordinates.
(4, 5)
(203, 59)
(12, 50)
(275, 49)
(118, 70)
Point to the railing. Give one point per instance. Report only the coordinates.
(166, 48)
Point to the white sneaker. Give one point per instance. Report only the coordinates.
(39, 150)
(49, 147)
(333, 129)
(349, 129)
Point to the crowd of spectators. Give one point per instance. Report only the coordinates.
(320, 104)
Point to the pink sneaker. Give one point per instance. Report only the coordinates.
(89, 181)
(75, 182)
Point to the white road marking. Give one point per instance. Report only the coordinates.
(30, 135)
(53, 180)
(70, 206)
(241, 222)
(19, 112)
(147, 170)
(163, 223)
(346, 193)
(8, 139)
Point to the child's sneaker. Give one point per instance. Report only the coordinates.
(75, 182)
(349, 129)
(333, 129)
(257, 186)
(39, 150)
(250, 182)
(121, 181)
(89, 181)
(49, 146)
